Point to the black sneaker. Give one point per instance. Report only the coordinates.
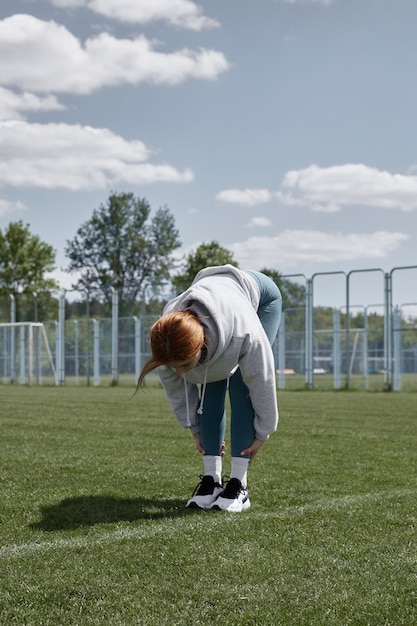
(205, 493)
(235, 497)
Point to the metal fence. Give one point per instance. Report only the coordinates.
(316, 347)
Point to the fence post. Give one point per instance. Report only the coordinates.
(12, 339)
(87, 312)
(35, 306)
(309, 334)
(336, 349)
(397, 349)
(22, 354)
(388, 334)
(281, 353)
(57, 348)
(76, 353)
(365, 348)
(96, 351)
(5, 370)
(115, 337)
(30, 355)
(138, 357)
(347, 332)
(61, 325)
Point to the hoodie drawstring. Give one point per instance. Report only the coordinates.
(187, 404)
(203, 393)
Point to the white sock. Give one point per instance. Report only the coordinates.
(213, 467)
(240, 469)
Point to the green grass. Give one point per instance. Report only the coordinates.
(93, 527)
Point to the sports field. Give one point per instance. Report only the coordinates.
(93, 527)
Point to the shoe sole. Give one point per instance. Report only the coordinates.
(194, 505)
(244, 507)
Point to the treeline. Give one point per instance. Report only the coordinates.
(124, 246)
(127, 247)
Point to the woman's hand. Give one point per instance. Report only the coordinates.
(198, 443)
(200, 447)
(253, 449)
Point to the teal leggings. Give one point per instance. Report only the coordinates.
(213, 418)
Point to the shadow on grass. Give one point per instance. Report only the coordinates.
(82, 511)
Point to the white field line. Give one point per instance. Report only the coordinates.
(171, 526)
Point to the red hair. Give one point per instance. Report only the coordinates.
(175, 337)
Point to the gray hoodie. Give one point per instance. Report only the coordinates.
(225, 300)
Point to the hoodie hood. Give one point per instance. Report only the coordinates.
(224, 313)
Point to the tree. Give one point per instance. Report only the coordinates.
(206, 255)
(122, 247)
(293, 294)
(24, 261)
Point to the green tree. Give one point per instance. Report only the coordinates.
(24, 261)
(206, 255)
(123, 247)
(293, 294)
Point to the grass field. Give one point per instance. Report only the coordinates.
(94, 531)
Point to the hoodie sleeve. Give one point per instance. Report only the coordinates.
(258, 372)
(182, 396)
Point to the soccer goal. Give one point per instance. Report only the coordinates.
(25, 354)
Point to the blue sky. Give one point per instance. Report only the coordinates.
(284, 129)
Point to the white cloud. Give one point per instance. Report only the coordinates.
(7, 207)
(178, 12)
(60, 63)
(183, 13)
(329, 189)
(259, 222)
(76, 157)
(299, 247)
(247, 197)
(12, 105)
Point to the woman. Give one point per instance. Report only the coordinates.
(218, 334)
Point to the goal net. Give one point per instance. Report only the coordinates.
(25, 354)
